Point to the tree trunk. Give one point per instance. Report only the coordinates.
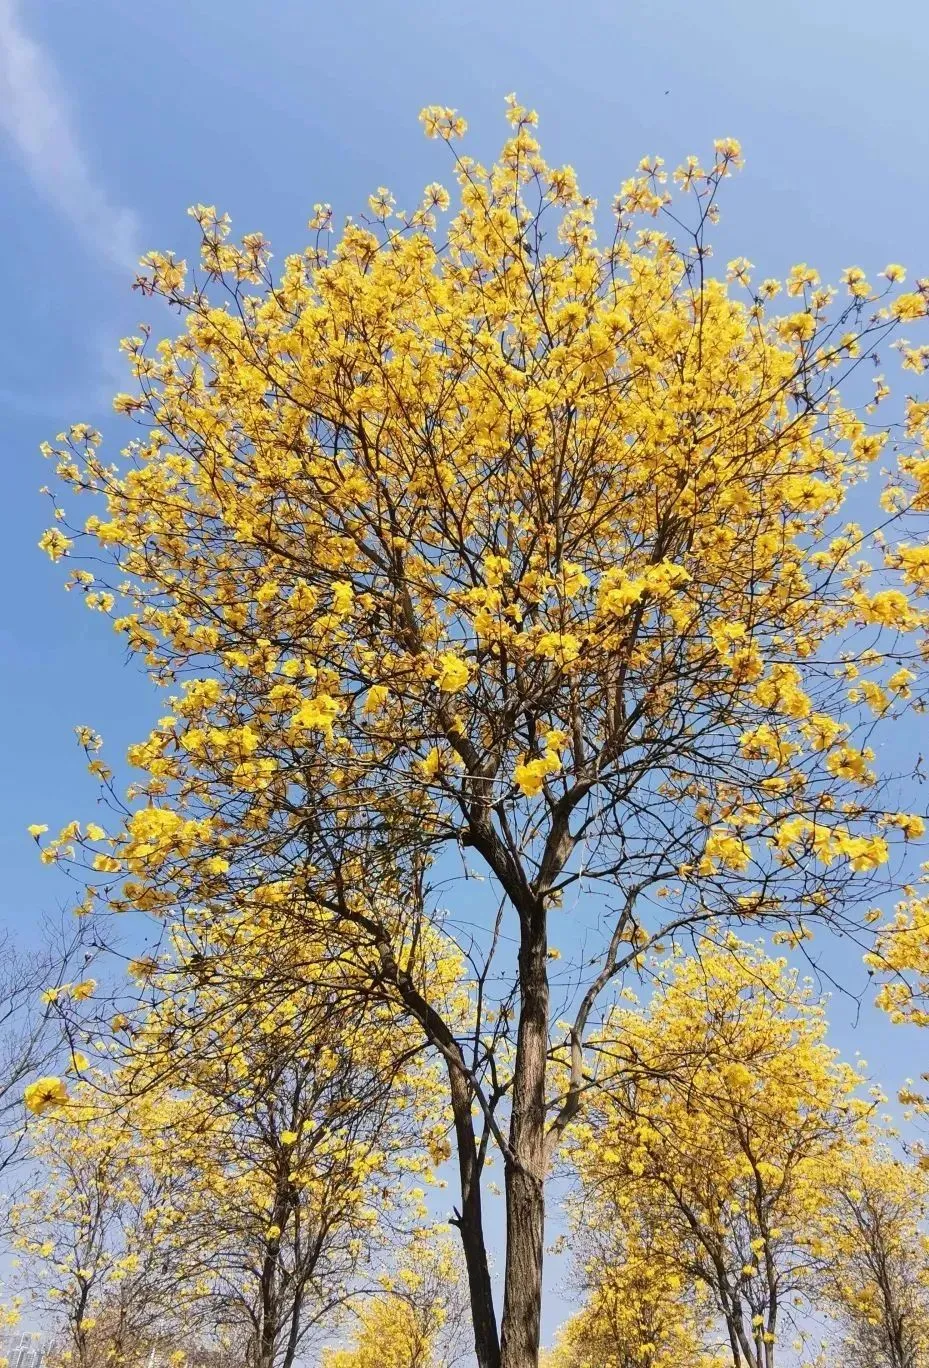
(266, 1339)
(470, 1224)
(733, 1343)
(293, 1337)
(470, 1220)
(525, 1169)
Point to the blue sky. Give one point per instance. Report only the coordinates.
(115, 117)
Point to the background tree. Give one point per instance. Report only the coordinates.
(638, 1310)
(900, 956)
(29, 1037)
(490, 539)
(719, 1119)
(307, 1128)
(96, 1231)
(876, 1274)
(416, 1319)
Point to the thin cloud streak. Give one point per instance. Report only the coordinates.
(37, 120)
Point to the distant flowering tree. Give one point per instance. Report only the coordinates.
(720, 1123)
(30, 1039)
(96, 1231)
(875, 1277)
(415, 1320)
(308, 1132)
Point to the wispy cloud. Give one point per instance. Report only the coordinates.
(38, 121)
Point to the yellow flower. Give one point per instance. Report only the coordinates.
(730, 850)
(729, 149)
(440, 122)
(863, 852)
(555, 739)
(909, 823)
(496, 568)
(782, 691)
(806, 493)
(799, 327)
(801, 277)
(854, 278)
(530, 774)
(738, 1077)
(437, 195)
(665, 578)
(289, 1137)
(905, 307)
(430, 767)
(573, 579)
(317, 714)
(889, 608)
(45, 1093)
(848, 763)
(377, 697)
(560, 646)
(106, 864)
(453, 673)
(342, 597)
(618, 592)
(37, 829)
(914, 561)
(55, 543)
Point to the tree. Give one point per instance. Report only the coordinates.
(876, 1278)
(490, 541)
(901, 958)
(639, 1311)
(306, 1130)
(29, 986)
(96, 1231)
(415, 1320)
(720, 1119)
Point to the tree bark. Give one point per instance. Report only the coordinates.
(470, 1223)
(525, 1167)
